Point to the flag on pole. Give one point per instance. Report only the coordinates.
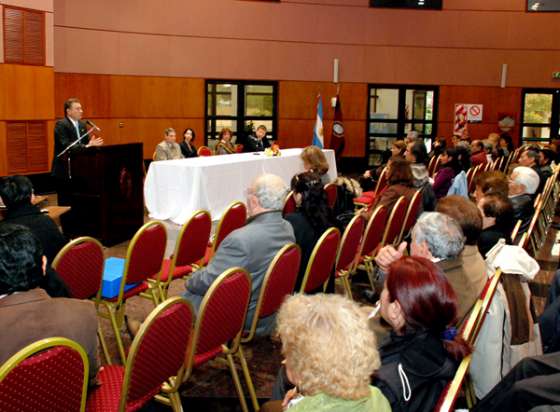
(318, 130)
(337, 136)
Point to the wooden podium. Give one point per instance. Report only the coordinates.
(106, 192)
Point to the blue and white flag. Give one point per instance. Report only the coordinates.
(318, 130)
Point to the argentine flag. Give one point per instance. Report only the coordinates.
(318, 131)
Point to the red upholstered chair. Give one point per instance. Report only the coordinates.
(80, 265)
(371, 240)
(219, 324)
(204, 151)
(411, 215)
(289, 204)
(48, 375)
(331, 189)
(239, 148)
(395, 222)
(433, 165)
(279, 281)
(367, 198)
(190, 249)
(233, 218)
(144, 259)
(321, 262)
(155, 362)
(346, 258)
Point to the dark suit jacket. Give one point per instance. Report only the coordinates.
(26, 317)
(65, 135)
(186, 151)
(252, 144)
(251, 247)
(522, 209)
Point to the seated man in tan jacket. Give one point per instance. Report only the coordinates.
(28, 313)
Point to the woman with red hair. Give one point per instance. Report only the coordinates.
(423, 351)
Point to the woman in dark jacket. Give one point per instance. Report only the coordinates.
(400, 182)
(423, 351)
(497, 221)
(312, 216)
(188, 149)
(450, 167)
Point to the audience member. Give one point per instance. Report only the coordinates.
(330, 355)
(478, 153)
(491, 182)
(314, 160)
(497, 221)
(440, 144)
(450, 167)
(27, 313)
(533, 382)
(546, 156)
(530, 158)
(505, 145)
(257, 142)
(312, 216)
(411, 136)
(417, 155)
(251, 247)
(424, 349)
(370, 177)
(188, 149)
(168, 149)
(400, 182)
(17, 194)
(439, 238)
(224, 145)
(523, 183)
(467, 215)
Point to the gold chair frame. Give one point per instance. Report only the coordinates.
(313, 255)
(390, 220)
(344, 275)
(221, 222)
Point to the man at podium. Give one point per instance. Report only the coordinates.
(66, 132)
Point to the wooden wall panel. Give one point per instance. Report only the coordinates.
(3, 150)
(93, 90)
(27, 92)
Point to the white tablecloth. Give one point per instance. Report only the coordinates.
(174, 189)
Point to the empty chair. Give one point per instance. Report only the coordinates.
(331, 190)
(155, 362)
(368, 198)
(190, 249)
(321, 262)
(395, 222)
(144, 259)
(204, 151)
(279, 281)
(348, 252)
(371, 240)
(48, 375)
(411, 215)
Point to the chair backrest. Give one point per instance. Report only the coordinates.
(350, 244)
(515, 230)
(331, 190)
(450, 393)
(433, 166)
(395, 221)
(80, 265)
(192, 240)
(321, 262)
(411, 214)
(279, 281)
(157, 352)
(221, 315)
(289, 204)
(204, 151)
(486, 298)
(233, 218)
(382, 181)
(48, 375)
(373, 235)
(239, 148)
(145, 253)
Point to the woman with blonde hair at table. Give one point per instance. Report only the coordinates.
(314, 160)
(224, 145)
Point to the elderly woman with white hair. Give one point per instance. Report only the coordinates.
(523, 183)
(330, 354)
(439, 238)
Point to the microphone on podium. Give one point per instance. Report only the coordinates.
(93, 125)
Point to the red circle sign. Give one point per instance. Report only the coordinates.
(475, 110)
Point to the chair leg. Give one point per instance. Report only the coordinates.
(104, 346)
(176, 405)
(117, 323)
(347, 287)
(369, 270)
(237, 383)
(248, 379)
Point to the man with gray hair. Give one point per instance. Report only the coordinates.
(439, 238)
(251, 247)
(168, 149)
(523, 183)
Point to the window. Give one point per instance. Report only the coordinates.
(24, 36)
(407, 4)
(395, 110)
(540, 119)
(27, 147)
(240, 106)
(543, 5)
